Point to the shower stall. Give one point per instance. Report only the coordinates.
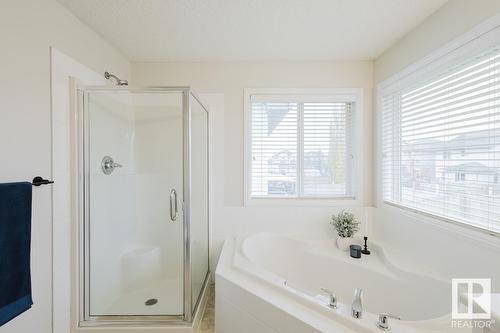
(144, 205)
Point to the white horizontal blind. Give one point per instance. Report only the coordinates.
(300, 148)
(390, 147)
(327, 142)
(441, 144)
(274, 135)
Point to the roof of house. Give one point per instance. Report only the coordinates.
(472, 167)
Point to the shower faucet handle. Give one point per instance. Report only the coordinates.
(108, 165)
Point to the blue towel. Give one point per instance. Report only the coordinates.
(15, 239)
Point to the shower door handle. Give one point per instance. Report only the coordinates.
(174, 211)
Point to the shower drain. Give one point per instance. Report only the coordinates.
(151, 301)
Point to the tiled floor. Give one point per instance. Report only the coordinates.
(207, 324)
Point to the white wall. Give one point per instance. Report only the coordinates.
(436, 246)
(450, 21)
(229, 216)
(65, 72)
(27, 30)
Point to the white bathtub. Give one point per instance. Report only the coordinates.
(271, 283)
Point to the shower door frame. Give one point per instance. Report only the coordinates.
(83, 285)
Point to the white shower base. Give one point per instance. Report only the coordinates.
(164, 287)
(168, 292)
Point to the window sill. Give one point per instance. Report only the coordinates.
(310, 202)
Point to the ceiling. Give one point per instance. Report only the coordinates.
(252, 30)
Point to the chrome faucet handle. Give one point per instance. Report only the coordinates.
(383, 321)
(357, 304)
(332, 298)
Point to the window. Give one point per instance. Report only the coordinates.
(300, 146)
(441, 142)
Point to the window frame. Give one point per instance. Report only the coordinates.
(481, 38)
(354, 95)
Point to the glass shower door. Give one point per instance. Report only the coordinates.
(199, 212)
(133, 152)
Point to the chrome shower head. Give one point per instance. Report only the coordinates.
(119, 82)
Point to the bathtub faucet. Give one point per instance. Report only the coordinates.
(383, 321)
(357, 304)
(332, 298)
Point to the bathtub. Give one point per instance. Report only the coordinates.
(270, 283)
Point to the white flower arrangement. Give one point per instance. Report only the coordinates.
(345, 223)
